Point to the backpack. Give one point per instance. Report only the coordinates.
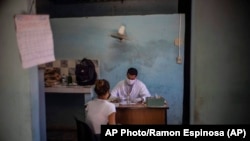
(85, 72)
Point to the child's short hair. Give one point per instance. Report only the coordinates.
(101, 87)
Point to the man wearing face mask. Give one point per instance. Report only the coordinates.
(130, 89)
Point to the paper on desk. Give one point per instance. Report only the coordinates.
(34, 39)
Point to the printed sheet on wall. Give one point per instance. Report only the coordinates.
(34, 39)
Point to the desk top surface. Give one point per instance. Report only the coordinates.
(139, 105)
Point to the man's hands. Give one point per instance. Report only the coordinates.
(137, 100)
(117, 100)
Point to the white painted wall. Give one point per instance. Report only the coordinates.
(19, 87)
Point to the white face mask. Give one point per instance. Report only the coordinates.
(130, 82)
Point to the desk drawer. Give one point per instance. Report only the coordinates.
(141, 115)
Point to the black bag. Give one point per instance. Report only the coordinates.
(85, 72)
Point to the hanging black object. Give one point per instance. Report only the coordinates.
(85, 72)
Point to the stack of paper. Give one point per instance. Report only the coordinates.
(34, 39)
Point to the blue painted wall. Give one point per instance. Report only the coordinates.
(150, 49)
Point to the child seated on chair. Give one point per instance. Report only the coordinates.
(100, 111)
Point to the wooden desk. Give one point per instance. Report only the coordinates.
(141, 114)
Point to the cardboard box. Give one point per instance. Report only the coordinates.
(154, 101)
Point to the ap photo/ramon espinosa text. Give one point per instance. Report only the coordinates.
(112, 132)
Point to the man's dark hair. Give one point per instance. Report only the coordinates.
(132, 71)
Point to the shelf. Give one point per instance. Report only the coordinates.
(69, 89)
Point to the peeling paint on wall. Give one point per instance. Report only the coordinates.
(150, 49)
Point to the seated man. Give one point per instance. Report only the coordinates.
(131, 89)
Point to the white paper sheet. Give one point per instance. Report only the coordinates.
(34, 39)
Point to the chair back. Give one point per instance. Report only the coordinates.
(84, 132)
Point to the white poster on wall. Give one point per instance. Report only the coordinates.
(34, 39)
